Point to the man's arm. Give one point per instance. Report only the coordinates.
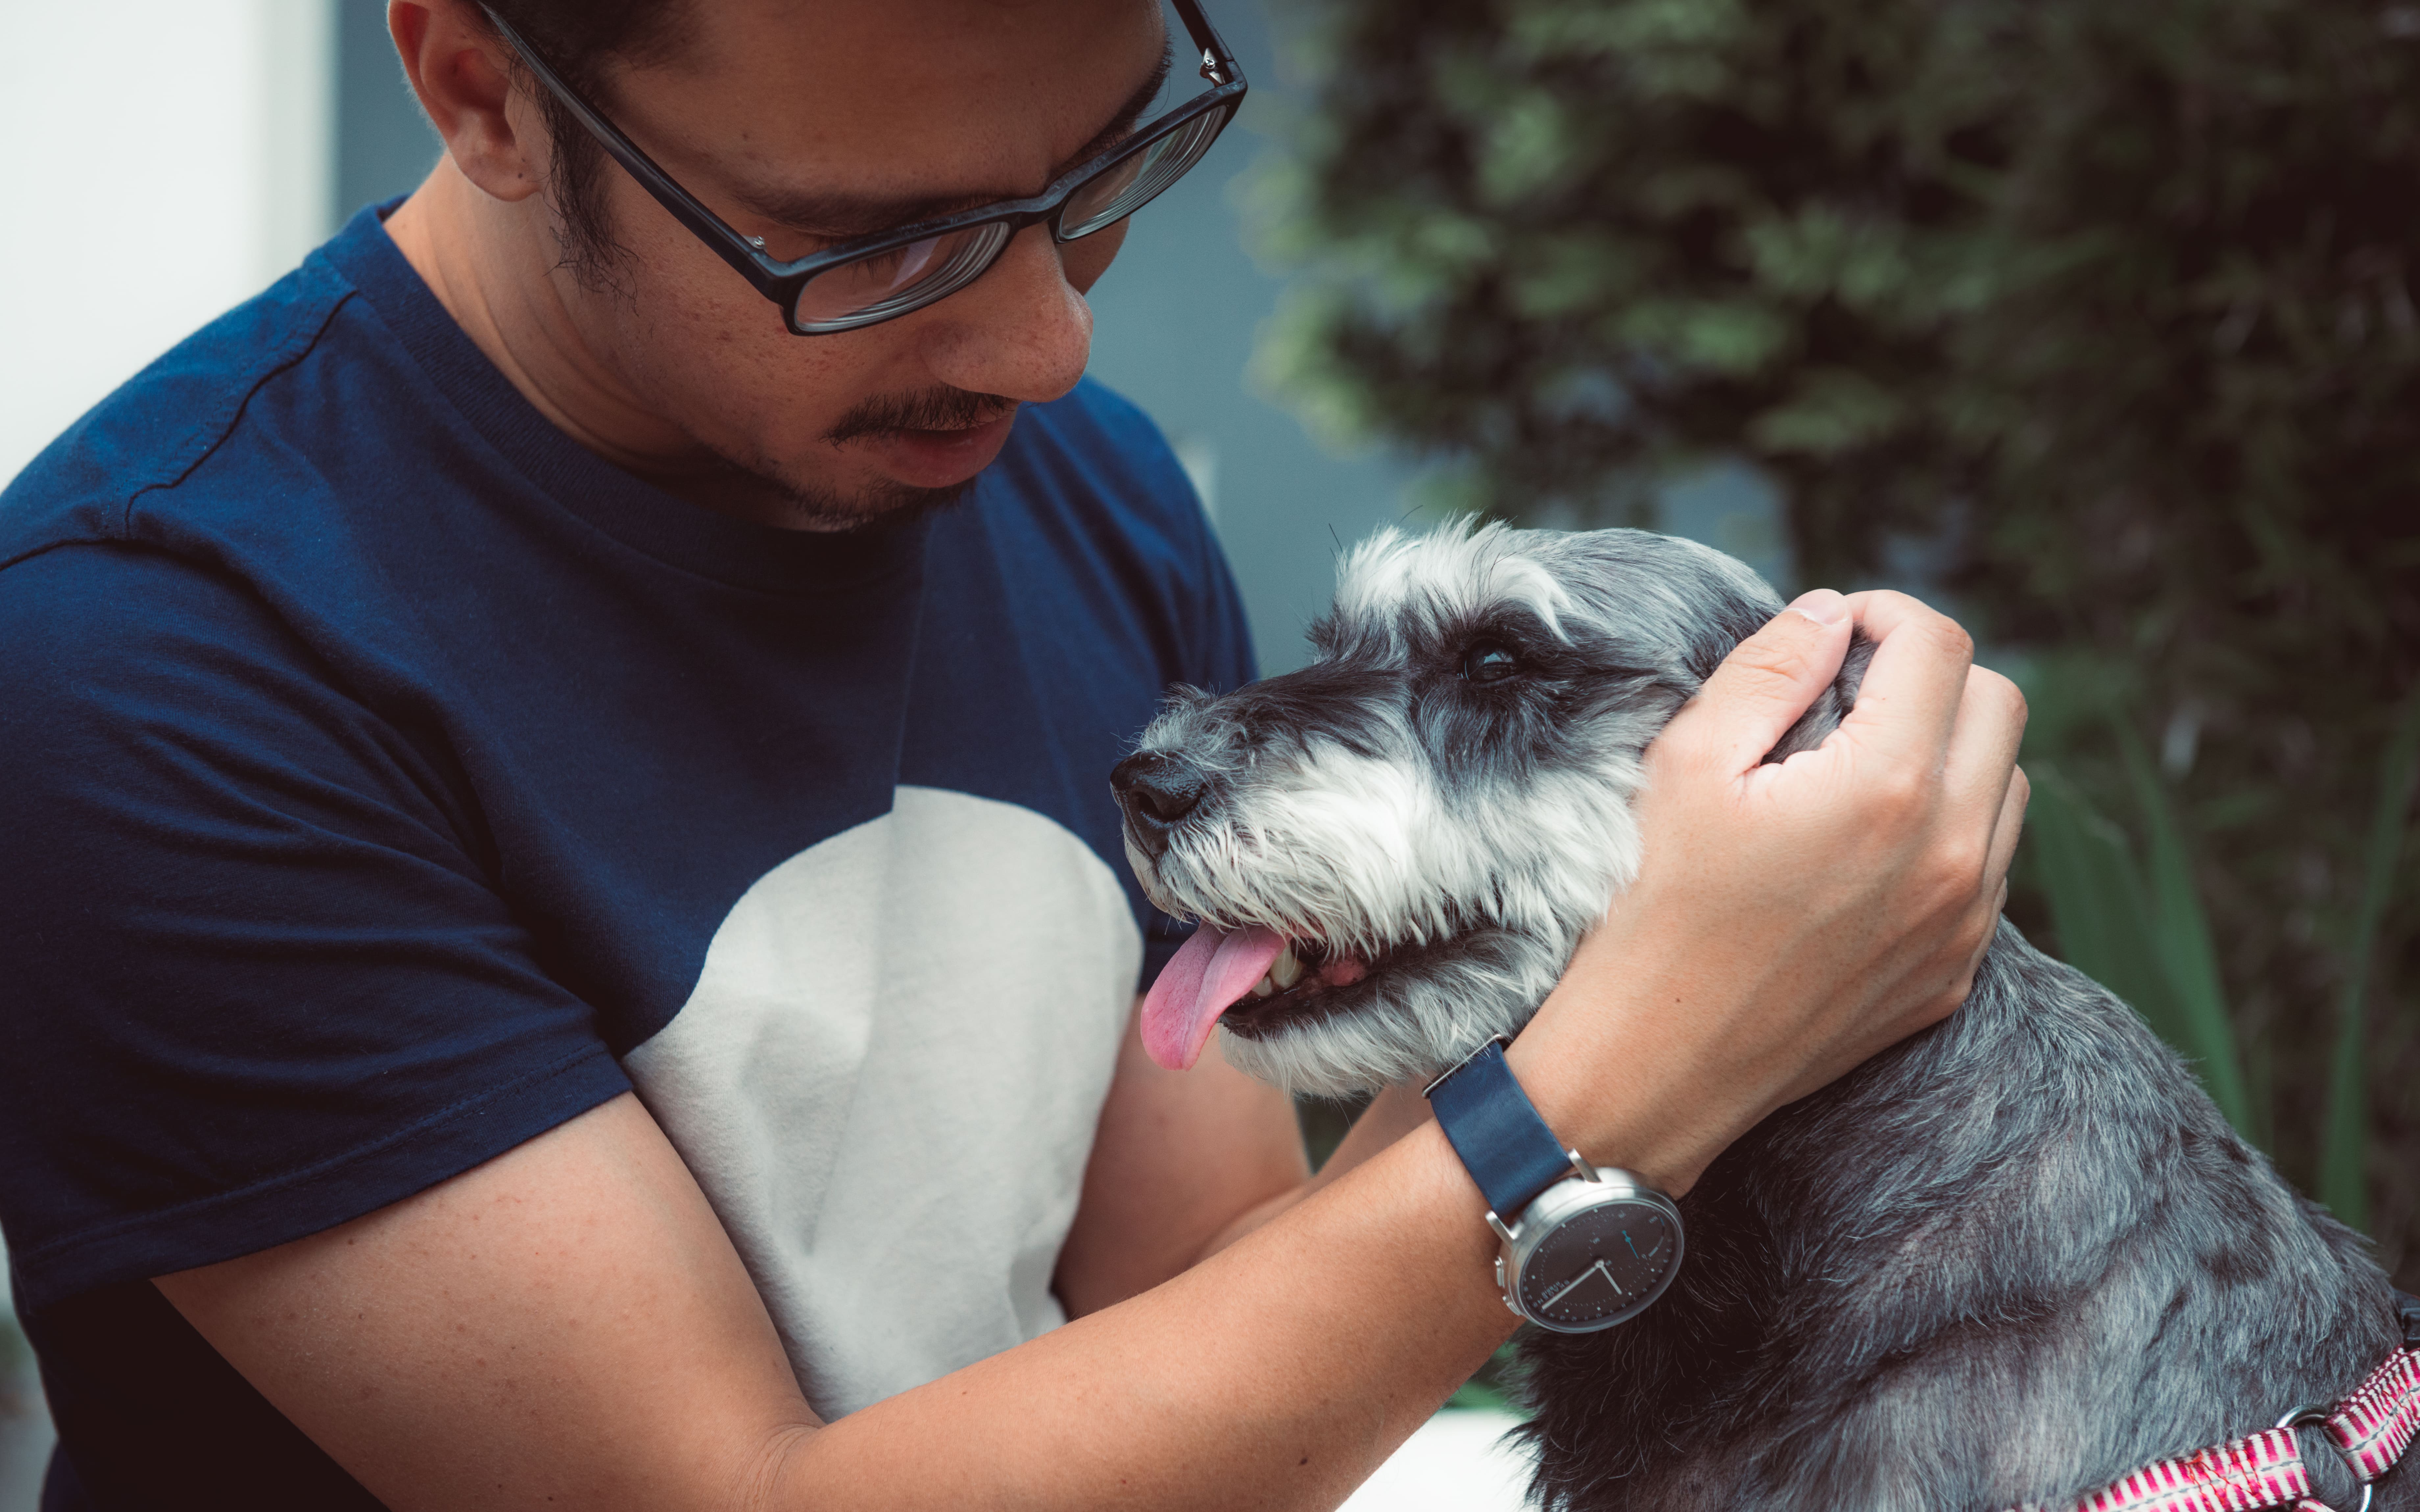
(568, 1324)
(1189, 1162)
(1179, 1157)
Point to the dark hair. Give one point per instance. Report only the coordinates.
(577, 39)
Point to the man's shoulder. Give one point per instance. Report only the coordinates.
(92, 590)
(155, 430)
(76, 608)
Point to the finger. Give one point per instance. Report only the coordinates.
(1991, 934)
(1908, 702)
(1765, 684)
(2007, 830)
(1950, 1002)
(1982, 756)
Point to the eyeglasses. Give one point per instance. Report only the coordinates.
(866, 280)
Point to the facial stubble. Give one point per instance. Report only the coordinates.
(802, 504)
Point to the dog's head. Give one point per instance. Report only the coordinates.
(1394, 851)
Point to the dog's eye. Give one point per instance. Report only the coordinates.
(1488, 662)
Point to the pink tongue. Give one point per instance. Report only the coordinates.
(1203, 979)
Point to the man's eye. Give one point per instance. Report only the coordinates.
(1488, 662)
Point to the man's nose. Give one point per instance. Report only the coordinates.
(1020, 331)
(1157, 789)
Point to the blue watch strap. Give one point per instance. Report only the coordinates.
(1494, 1127)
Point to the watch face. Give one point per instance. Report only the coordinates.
(1599, 1265)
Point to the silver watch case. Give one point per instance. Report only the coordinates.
(1571, 1222)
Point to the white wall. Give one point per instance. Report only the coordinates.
(160, 161)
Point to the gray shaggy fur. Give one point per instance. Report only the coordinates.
(2004, 1263)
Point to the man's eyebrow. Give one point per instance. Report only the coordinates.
(858, 215)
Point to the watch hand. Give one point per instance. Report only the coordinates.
(1565, 1289)
(1633, 1248)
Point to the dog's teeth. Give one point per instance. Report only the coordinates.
(1285, 970)
(1264, 988)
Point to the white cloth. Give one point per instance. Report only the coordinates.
(887, 1082)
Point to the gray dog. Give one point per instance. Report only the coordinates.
(2005, 1264)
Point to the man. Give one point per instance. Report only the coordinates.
(565, 918)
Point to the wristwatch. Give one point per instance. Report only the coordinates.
(1583, 1246)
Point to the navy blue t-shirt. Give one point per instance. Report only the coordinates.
(385, 779)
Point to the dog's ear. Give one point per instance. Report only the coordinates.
(1825, 714)
(1714, 602)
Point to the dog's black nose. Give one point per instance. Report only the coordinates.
(1157, 789)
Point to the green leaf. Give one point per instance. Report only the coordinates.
(2097, 901)
(2181, 936)
(2345, 1139)
(1477, 1396)
(1830, 412)
(1731, 337)
(1528, 149)
(2114, 927)
(1490, 1389)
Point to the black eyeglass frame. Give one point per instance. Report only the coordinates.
(784, 282)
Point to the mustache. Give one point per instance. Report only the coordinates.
(931, 410)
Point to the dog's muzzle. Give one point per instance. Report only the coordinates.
(1157, 789)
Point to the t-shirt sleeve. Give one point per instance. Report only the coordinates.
(260, 978)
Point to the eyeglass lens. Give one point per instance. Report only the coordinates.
(884, 284)
(1126, 185)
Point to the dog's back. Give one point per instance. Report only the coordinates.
(2010, 1261)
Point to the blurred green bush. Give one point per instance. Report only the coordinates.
(2098, 316)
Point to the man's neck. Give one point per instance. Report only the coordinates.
(497, 270)
(478, 257)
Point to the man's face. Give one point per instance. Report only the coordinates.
(808, 123)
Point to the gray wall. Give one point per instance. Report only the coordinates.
(384, 145)
(1175, 320)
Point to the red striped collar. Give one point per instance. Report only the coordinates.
(2372, 1428)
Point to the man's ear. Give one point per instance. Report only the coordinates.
(463, 73)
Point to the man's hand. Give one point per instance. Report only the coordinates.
(1793, 919)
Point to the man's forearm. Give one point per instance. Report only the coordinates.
(568, 1324)
(1394, 1113)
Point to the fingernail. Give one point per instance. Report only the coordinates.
(1821, 604)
